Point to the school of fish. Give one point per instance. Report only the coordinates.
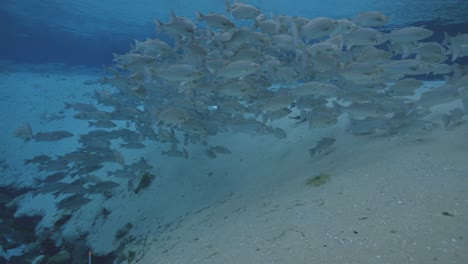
(242, 70)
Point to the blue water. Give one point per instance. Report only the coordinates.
(88, 32)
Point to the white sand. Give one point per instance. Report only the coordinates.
(400, 185)
(255, 206)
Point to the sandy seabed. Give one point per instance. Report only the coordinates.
(390, 199)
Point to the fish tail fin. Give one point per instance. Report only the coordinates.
(24, 132)
(337, 105)
(464, 99)
(227, 7)
(458, 71)
(277, 24)
(37, 181)
(212, 71)
(294, 33)
(465, 104)
(255, 109)
(448, 79)
(173, 16)
(455, 52)
(447, 39)
(173, 137)
(177, 44)
(391, 49)
(134, 46)
(265, 117)
(255, 24)
(310, 121)
(159, 25)
(304, 62)
(446, 120)
(406, 48)
(210, 36)
(259, 18)
(199, 16)
(146, 74)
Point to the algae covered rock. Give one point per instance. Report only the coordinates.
(318, 180)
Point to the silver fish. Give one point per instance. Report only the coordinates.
(363, 37)
(241, 10)
(318, 27)
(215, 20)
(238, 69)
(371, 19)
(409, 34)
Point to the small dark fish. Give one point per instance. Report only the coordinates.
(178, 154)
(174, 152)
(52, 136)
(41, 159)
(210, 153)
(133, 145)
(54, 177)
(140, 165)
(91, 179)
(296, 117)
(102, 124)
(5, 198)
(127, 135)
(88, 169)
(3, 165)
(324, 147)
(464, 100)
(52, 117)
(74, 188)
(97, 134)
(95, 143)
(454, 118)
(125, 113)
(102, 187)
(140, 182)
(125, 173)
(54, 165)
(80, 107)
(279, 133)
(221, 150)
(367, 126)
(94, 115)
(278, 114)
(106, 98)
(73, 202)
(167, 136)
(52, 187)
(118, 157)
(75, 156)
